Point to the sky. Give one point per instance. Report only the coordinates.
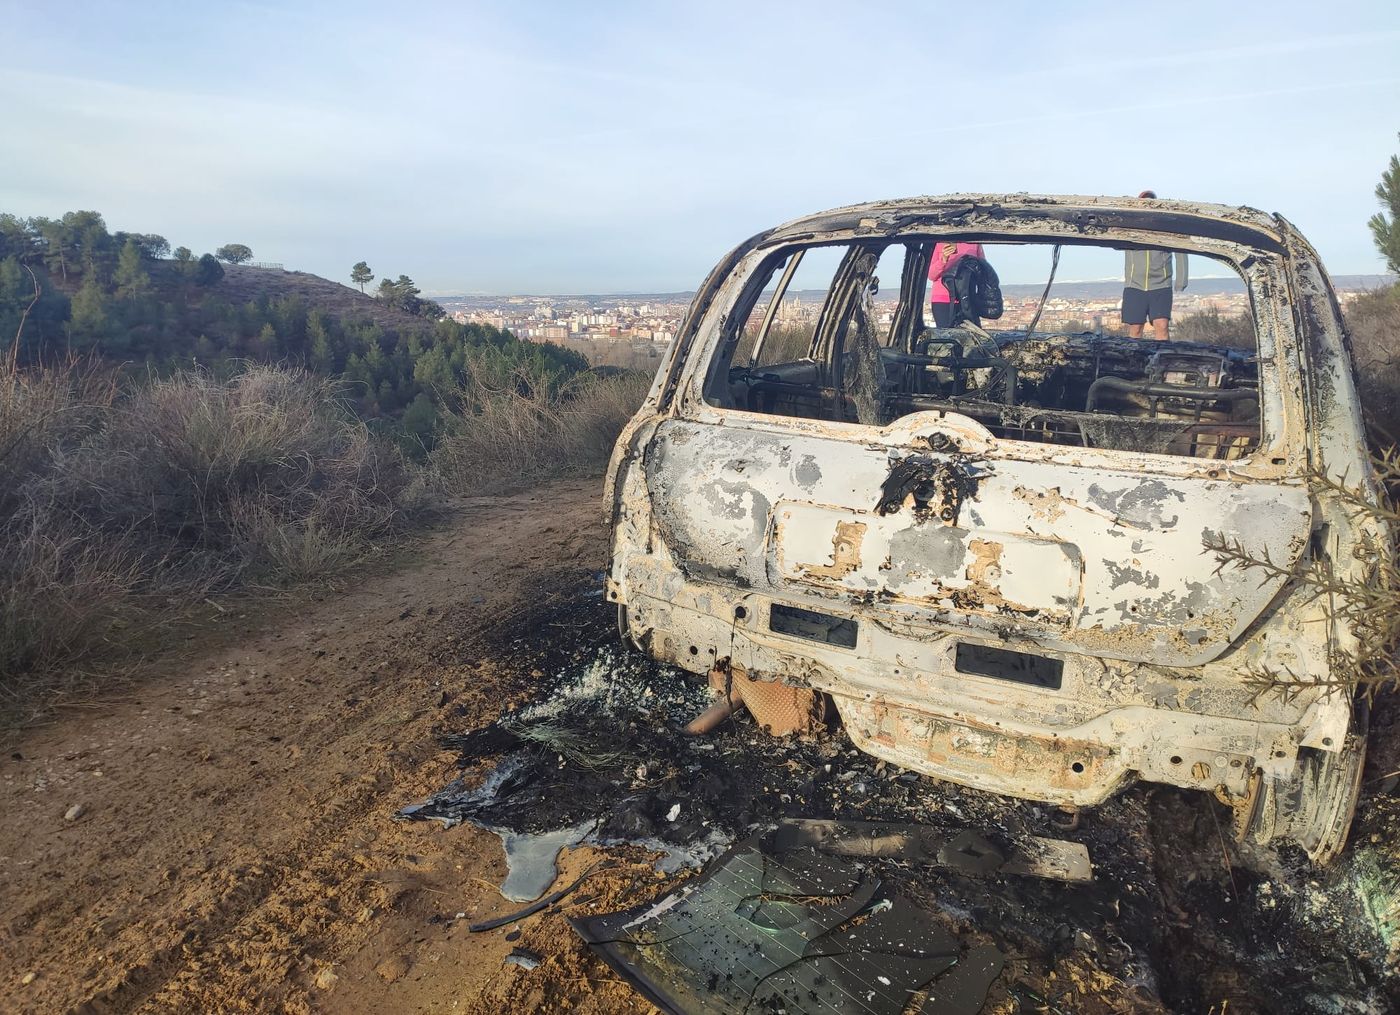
(624, 147)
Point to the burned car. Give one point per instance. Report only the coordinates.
(993, 544)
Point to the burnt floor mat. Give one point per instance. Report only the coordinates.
(795, 932)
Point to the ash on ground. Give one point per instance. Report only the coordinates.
(1175, 919)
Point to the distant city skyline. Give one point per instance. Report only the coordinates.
(633, 330)
(625, 147)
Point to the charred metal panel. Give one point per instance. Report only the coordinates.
(1109, 564)
(1075, 215)
(991, 573)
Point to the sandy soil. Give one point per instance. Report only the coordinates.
(236, 848)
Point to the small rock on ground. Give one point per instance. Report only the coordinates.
(392, 968)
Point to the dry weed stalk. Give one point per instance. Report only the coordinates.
(1366, 603)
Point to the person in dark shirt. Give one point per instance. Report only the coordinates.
(1147, 287)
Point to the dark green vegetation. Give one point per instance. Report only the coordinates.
(1385, 224)
(173, 429)
(234, 253)
(122, 297)
(361, 275)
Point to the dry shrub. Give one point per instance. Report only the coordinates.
(43, 410)
(515, 424)
(61, 595)
(184, 486)
(1373, 319)
(1210, 327)
(785, 343)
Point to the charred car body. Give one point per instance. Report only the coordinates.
(991, 548)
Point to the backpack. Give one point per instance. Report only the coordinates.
(974, 289)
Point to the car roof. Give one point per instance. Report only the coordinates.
(1023, 212)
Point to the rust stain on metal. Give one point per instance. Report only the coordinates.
(845, 552)
(779, 708)
(985, 569)
(1045, 504)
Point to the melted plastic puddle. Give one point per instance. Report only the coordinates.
(532, 857)
(518, 798)
(533, 860)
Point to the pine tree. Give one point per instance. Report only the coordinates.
(421, 417)
(131, 279)
(88, 320)
(265, 345)
(55, 241)
(209, 270)
(1385, 228)
(319, 338)
(361, 275)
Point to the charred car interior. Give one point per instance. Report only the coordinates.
(848, 361)
(986, 533)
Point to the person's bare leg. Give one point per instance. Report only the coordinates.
(1135, 331)
(1159, 328)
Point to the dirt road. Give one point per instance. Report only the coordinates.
(236, 848)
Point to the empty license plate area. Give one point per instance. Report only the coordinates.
(813, 626)
(1003, 664)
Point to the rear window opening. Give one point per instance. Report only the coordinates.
(875, 330)
(1003, 664)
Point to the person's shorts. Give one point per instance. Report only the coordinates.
(1143, 305)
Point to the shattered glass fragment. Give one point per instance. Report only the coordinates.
(796, 932)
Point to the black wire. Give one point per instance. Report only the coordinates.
(1054, 265)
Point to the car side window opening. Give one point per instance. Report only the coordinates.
(847, 332)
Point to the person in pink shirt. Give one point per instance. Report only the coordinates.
(945, 254)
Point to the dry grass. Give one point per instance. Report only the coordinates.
(786, 343)
(111, 504)
(115, 504)
(1210, 327)
(514, 425)
(1373, 320)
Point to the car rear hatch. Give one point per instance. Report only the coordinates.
(928, 526)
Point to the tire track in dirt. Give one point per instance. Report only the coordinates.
(240, 802)
(167, 975)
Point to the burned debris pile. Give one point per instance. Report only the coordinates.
(605, 748)
(1109, 910)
